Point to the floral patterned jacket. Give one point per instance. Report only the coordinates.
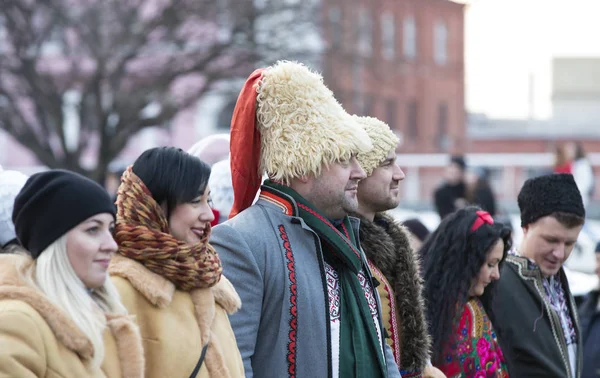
(473, 351)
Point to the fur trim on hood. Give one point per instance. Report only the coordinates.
(123, 328)
(386, 245)
(302, 126)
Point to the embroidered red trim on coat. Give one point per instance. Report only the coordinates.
(346, 240)
(291, 352)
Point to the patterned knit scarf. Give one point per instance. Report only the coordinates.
(142, 232)
(360, 350)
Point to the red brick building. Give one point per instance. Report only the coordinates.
(401, 61)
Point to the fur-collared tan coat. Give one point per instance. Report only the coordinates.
(38, 339)
(175, 324)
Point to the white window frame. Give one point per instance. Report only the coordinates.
(388, 35)
(440, 43)
(409, 39)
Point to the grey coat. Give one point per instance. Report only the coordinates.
(275, 263)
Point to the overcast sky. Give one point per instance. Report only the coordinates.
(506, 40)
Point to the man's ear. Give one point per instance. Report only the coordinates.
(304, 179)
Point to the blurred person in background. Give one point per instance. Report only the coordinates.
(479, 190)
(417, 231)
(461, 262)
(589, 314)
(168, 274)
(451, 195)
(563, 161)
(113, 178)
(582, 170)
(211, 149)
(221, 190)
(534, 310)
(60, 315)
(214, 151)
(390, 257)
(11, 183)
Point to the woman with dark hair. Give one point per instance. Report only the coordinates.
(168, 274)
(461, 261)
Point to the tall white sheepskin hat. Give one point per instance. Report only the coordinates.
(288, 124)
(383, 138)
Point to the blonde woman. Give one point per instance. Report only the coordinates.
(59, 314)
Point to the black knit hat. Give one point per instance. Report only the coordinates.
(544, 195)
(52, 203)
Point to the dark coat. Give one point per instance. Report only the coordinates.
(483, 196)
(386, 245)
(445, 197)
(590, 333)
(528, 328)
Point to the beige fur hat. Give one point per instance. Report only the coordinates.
(288, 124)
(302, 125)
(383, 138)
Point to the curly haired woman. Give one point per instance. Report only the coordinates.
(462, 260)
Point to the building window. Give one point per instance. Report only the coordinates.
(388, 36)
(412, 119)
(368, 104)
(442, 127)
(440, 43)
(410, 38)
(390, 112)
(365, 32)
(335, 20)
(363, 104)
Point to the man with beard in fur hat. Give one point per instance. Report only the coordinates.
(533, 310)
(392, 261)
(309, 306)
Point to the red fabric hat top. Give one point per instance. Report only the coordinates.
(245, 146)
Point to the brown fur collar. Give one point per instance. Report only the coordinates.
(385, 243)
(159, 291)
(123, 328)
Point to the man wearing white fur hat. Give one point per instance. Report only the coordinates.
(309, 306)
(391, 259)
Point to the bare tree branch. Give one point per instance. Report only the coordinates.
(121, 56)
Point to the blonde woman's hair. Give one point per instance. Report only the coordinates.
(54, 275)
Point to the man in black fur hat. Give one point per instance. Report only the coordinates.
(390, 256)
(534, 312)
